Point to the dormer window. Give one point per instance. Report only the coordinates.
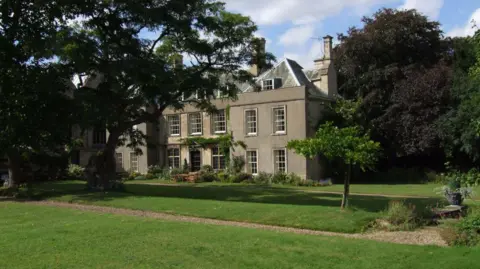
(267, 84)
(270, 84)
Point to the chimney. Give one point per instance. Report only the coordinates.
(325, 76)
(258, 56)
(327, 47)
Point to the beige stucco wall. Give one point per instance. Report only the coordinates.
(264, 142)
(315, 108)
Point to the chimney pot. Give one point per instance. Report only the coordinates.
(328, 46)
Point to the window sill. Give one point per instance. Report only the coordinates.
(220, 132)
(195, 134)
(279, 133)
(174, 135)
(251, 135)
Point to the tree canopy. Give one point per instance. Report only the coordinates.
(398, 63)
(35, 111)
(132, 79)
(459, 126)
(347, 144)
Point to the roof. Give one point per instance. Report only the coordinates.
(292, 75)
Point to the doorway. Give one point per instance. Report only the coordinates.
(195, 160)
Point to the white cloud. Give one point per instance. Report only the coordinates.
(297, 35)
(270, 12)
(306, 60)
(431, 8)
(268, 41)
(467, 29)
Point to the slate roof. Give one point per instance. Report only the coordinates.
(292, 75)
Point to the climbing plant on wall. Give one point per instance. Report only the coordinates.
(225, 143)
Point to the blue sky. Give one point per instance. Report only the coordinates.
(290, 25)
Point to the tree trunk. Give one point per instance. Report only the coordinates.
(106, 164)
(346, 186)
(15, 174)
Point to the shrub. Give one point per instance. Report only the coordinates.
(75, 171)
(263, 178)
(279, 178)
(164, 174)
(221, 176)
(464, 233)
(132, 176)
(176, 171)
(186, 167)
(294, 180)
(238, 164)
(155, 169)
(207, 169)
(241, 177)
(150, 176)
(207, 174)
(400, 216)
(207, 177)
(471, 178)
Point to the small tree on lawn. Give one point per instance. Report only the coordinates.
(347, 144)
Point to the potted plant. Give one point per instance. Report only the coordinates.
(454, 192)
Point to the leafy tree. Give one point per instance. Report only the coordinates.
(34, 110)
(418, 101)
(459, 126)
(385, 62)
(132, 79)
(347, 144)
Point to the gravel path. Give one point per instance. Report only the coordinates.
(421, 237)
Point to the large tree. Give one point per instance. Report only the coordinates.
(34, 109)
(394, 63)
(459, 127)
(133, 77)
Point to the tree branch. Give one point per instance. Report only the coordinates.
(152, 48)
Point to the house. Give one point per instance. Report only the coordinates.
(288, 106)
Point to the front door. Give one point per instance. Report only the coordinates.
(195, 160)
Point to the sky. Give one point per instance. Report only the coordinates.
(294, 28)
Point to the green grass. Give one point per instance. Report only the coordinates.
(423, 190)
(274, 206)
(37, 237)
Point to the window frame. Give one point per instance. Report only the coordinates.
(219, 157)
(274, 120)
(275, 160)
(116, 160)
(172, 157)
(132, 153)
(271, 80)
(190, 129)
(247, 166)
(214, 121)
(97, 133)
(179, 124)
(245, 125)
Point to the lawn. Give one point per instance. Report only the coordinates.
(275, 206)
(46, 237)
(423, 190)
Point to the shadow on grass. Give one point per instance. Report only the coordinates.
(242, 193)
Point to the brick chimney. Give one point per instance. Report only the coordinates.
(325, 76)
(258, 56)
